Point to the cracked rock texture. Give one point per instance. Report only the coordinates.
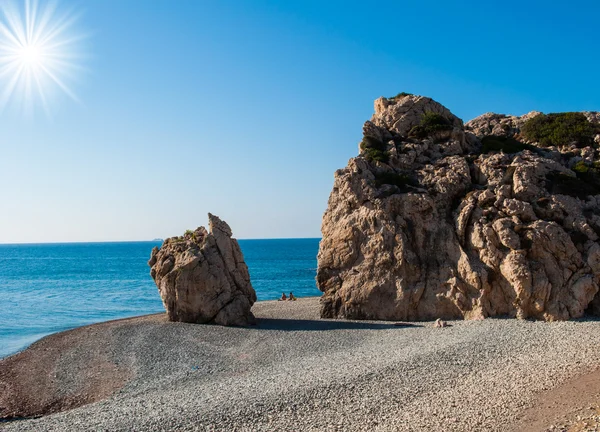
(202, 277)
(442, 230)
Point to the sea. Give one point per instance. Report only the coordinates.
(47, 288)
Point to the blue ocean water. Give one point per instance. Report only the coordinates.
(47, 288)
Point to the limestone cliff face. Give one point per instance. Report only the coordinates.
(202, 277)
(427, 223)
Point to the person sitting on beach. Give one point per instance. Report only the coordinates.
(292, 296)
(283, 297)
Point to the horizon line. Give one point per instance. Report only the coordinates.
(142, 241)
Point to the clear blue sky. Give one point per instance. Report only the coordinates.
(246, 108)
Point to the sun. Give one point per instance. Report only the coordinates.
(31, 55)
(40, 53)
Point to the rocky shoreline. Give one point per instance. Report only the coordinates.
(434, 219)
(295, 371)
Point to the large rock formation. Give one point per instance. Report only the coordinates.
(439, 220)
(202, 277)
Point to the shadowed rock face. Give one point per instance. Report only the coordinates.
(440, 230)
(202, 277)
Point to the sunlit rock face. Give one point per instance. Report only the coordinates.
(202, 277)
(427, 222)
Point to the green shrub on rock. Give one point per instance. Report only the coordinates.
(430, 123)
(401, 95)
(373, 155)
(559, 129)
(374, 149)
(371, 142)
(580, 167)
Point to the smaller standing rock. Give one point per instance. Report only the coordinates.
(202, 277)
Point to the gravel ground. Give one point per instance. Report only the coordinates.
(586, 420)
(294, 372)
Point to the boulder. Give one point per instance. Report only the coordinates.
(202, 277)
(399, 115)
(438, 229)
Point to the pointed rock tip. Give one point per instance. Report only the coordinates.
(215, 223)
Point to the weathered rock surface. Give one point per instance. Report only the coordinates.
(442, 230)
(202, 277)
(400, 115)
(498, 124)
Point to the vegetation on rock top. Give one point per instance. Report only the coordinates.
(430, 123)
(559, 129)
(400, 95)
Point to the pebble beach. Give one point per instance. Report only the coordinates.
(296, 372)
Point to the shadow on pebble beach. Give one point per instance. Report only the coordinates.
(320, 325)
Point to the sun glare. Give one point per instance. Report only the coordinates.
(39, 53)
(30, 55)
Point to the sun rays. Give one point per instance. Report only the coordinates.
(39, 54)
